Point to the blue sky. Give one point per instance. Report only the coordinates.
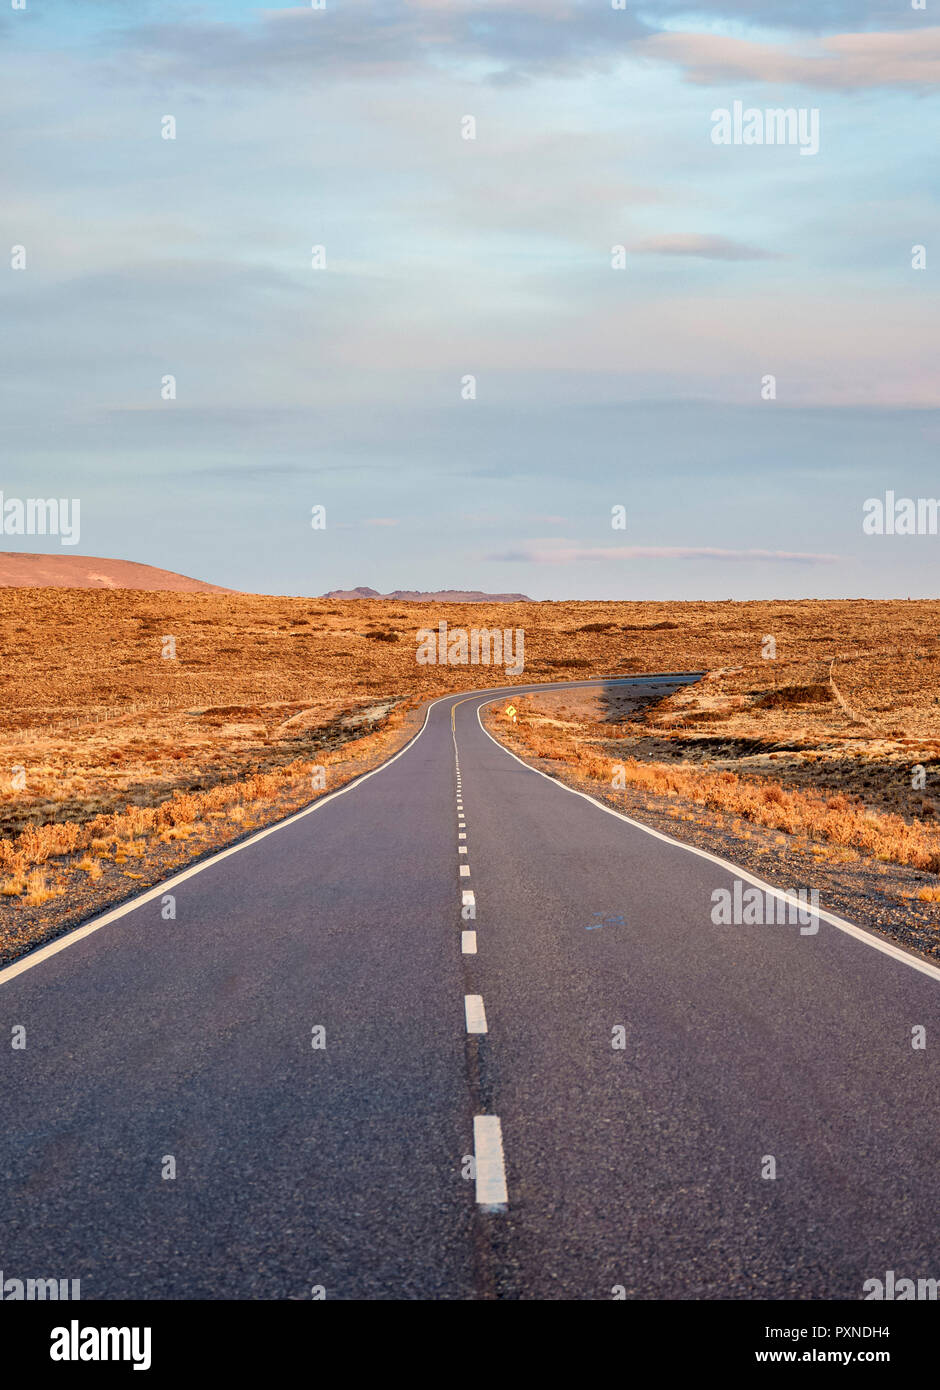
(490, 257)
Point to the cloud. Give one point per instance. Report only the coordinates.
(815, 15)
(566, 555)
(511, 40)
(506, 41)
(713, 248)
(841, 62)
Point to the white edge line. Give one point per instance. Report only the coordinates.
(61, 943)
(860, 934)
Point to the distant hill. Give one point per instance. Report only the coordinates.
(432, 596)
(22, 569)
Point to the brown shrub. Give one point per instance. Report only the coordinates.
(831, 818)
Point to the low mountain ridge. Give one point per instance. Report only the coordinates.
(430, 596)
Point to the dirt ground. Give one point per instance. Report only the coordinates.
(129, 719)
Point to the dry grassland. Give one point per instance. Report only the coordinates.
(112, 756)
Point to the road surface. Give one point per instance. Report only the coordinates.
(642, 1075)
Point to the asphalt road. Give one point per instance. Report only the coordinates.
(642, 1167)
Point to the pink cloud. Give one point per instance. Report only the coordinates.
(569, 554)
(714, 248)
(845, 61)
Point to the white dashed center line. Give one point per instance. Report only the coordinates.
(490, 1167)
(491, 1193)
(476, 1014)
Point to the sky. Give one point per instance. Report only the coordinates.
(576, 310)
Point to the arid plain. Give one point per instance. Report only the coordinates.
(142, 730)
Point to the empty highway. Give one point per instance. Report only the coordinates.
(457, 1033)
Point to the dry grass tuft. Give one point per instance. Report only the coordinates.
(841, 821)
(38, 890)
(91, 867)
